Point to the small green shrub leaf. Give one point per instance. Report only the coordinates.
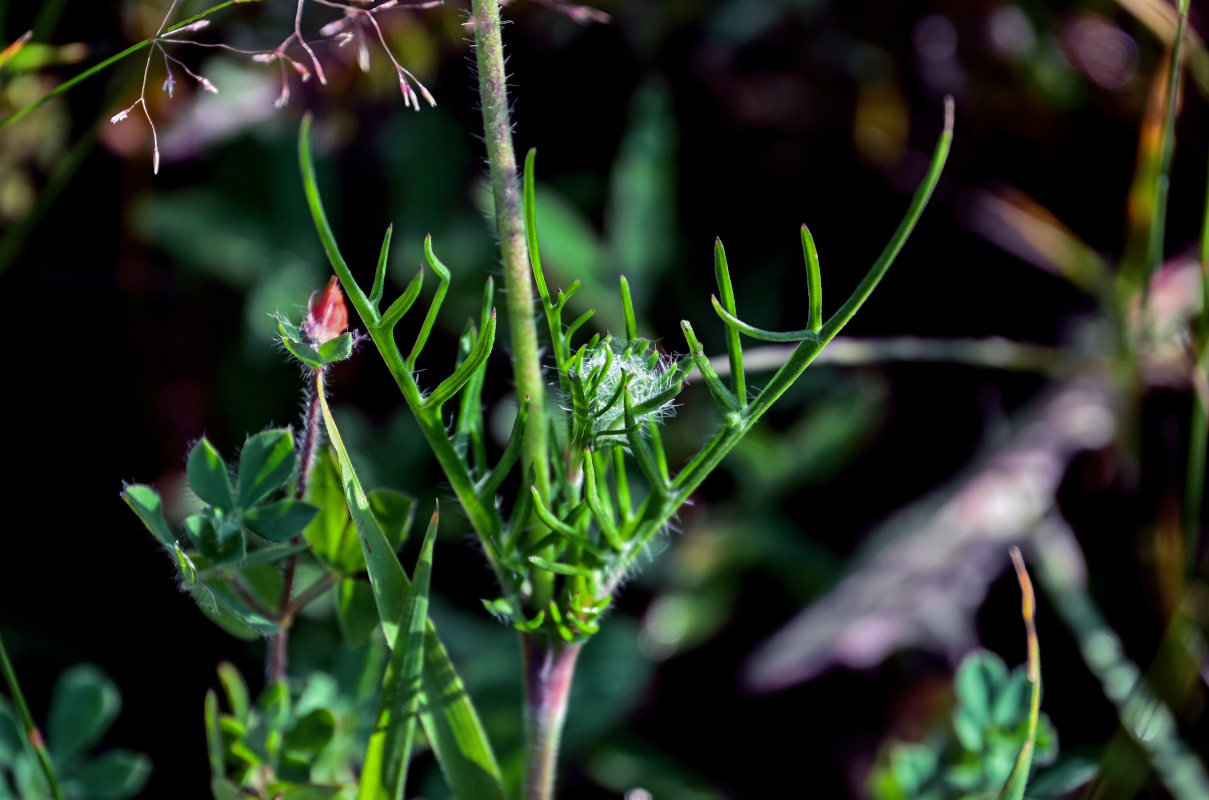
(265, 465)
(235, 687)
(220, 613)
(280, 521)
(1010, 708)
(300, 351)
(977, 683)
(84, 705)
(116, 775)
(271, 555)
(146, 503)
(274, 703)
(311, 733)
(337, 349)
(208, 477)
(222, 542)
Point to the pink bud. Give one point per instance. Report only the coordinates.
(326, 314)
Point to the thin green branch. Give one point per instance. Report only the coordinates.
(814, 281)
(375, 294)
(32, 734)
(734, 347)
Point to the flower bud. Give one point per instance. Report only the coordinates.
(326, 314)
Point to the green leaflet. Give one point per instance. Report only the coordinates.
(449, 719)
(384, 773)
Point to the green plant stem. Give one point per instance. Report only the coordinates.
(32, 734)
(1162, 182)
(549, 670)
(518, 284)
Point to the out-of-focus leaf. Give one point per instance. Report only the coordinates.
(116, 775)
(979, 680)
(12, 740)
(1063, 778)
(235, 687)
(620, 767)
(312, 732)
(84, 705)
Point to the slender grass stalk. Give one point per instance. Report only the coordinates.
(1018, 779)
(1198, 433)
(1158, 222)
(32, 734)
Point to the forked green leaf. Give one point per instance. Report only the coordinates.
(450, 722)
(265, 465)
(385, 770)
(208, 477)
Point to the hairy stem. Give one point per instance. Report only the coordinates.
(279, 646)
(510, 222)
(32, 734)
(549, 669)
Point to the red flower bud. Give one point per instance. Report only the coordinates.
(326, 314)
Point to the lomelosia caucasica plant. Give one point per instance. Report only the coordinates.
(563, 513)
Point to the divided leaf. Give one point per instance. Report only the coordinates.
(265, 464)
(280, 521)
(84, 705)
(208, 477)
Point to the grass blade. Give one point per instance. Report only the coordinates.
(1014, 788)
(449, 719)
(384, 773)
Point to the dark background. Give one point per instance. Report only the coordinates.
(136, 322)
